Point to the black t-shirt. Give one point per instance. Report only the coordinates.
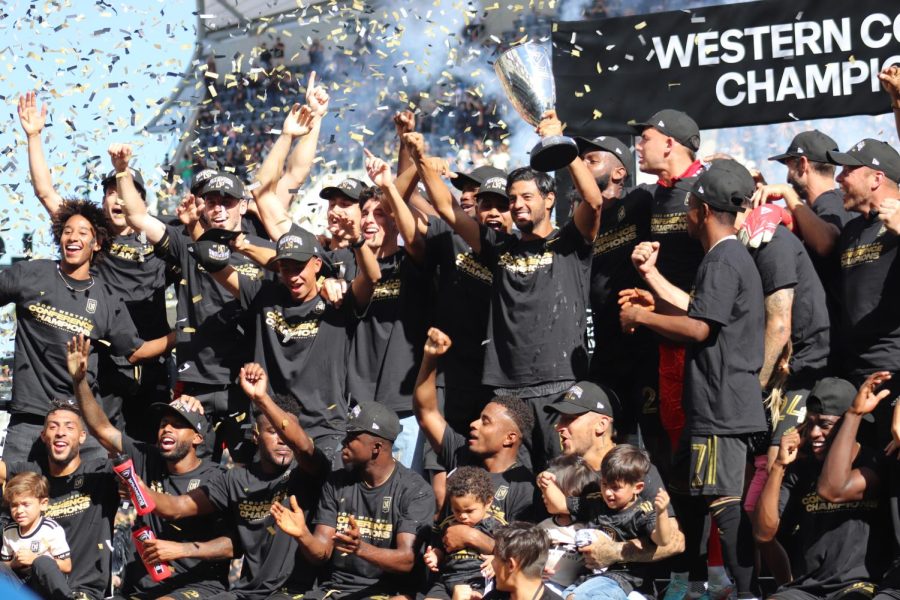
(679, 254)
(783, 263)
(48, 314)
(339, 263)
(387, 346)
(133, 270)
(623, 225)
(834, 544)
(635, 521)
(870, 297)
(589, 505)
(514, 489)
(462, 304)
(304, 349)
(462, 565)
(85, 504)
(537, 324)
(211, 345)
(246, 494)
(152, 469)
(830, 208)
(402, 504)
(722, 395)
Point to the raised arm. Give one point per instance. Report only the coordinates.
(839, 481)
(819, 235)
(33, 121)
(890, 81)
(587, 213)
(255, 384)
(261, 255)
(272, 211)
(129, 199)
(77, 351)
(767, 517)
(301, 159)
(673, 300)
(380, 174)
(425, 400)
(450, 211)
(153, 348)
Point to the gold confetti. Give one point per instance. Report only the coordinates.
(640, 25)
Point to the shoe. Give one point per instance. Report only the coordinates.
(719, 592)
(676, 590)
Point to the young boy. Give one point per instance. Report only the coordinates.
(469, 495)
(34, 546)
(565, 564)
(622, 474)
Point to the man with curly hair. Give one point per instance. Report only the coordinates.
(132, 268)
(55, 300)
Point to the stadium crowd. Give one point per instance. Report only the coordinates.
(407, 405)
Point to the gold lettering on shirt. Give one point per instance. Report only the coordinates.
(525, 265)
(670, 223)
(861, 254)
(256, 511)
(298, 331)
(369, 529)
(814, 503)
(466, 263)
(71, 505)
(609, 241)
(250, 270)
(386, 290)
(132, 253)
(61, 319)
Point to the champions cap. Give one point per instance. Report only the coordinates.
(477, 177)
(814, 145)
(585, 396)
(193, 418)
(874, 154)
(297, 244)
(375, 418)
(352, 188)
(675, 124)
(724, 186)
(495, 184)
(605, 143)
(223, 183)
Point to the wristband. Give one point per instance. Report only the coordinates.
(358, 243)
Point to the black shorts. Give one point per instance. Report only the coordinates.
(862, 590)
(444, 590)
(192, 591)
(325, 593)
(712, 465)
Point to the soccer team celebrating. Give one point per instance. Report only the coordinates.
(406, 405)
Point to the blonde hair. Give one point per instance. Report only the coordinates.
(776, 400)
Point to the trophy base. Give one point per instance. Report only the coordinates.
(553, 153)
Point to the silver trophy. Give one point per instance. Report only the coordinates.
(526, 75)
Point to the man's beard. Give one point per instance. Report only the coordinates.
(177, 453)
(65, 460)
(603, 182)
(797, 185)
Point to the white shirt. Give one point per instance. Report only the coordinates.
(47, 539)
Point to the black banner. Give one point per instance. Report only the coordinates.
(740, 64)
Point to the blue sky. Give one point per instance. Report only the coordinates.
(104, 68)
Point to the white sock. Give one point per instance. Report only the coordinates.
(718, 577)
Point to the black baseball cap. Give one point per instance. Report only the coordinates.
(496, 184)
(724, 186)
(675, 124)
(135, 176)
(605, 143)
(193, 418)
(832, 396)
(375, 418)
(585, 396)
(225, 183)
(813, 144)
(477, 177)
(297, 244)
(200, 178)
(874, 154)
(352, 188)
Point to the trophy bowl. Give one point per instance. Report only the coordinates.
(526, 75)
